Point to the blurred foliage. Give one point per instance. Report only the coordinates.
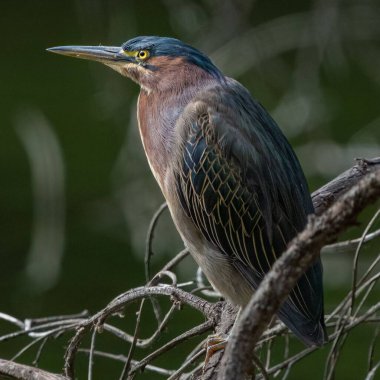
(83, 176)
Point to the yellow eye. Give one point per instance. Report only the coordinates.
(142, 54)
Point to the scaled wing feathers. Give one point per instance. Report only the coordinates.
(248, 211)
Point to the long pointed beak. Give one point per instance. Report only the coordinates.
(103, 54)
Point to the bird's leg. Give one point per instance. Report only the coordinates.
(214, 343)
(217, 342)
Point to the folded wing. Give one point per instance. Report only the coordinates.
(242, 186)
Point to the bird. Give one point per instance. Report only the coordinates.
(232, 182)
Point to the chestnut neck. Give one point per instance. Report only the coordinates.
(158, 111)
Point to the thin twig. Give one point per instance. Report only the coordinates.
(127, 364)
(349, 245)
(15, 321)
(39, 352)
(143, 343)
(295, 358)
(371, 350)
(91, 355)
(195, 331)
(71, 352)
(32, 332)
(149, 239)
(122, 358)
(186, 364)
(356, 258)
(149, 253)
(372, 373)
(30, 322)
(175, 260)
(261, 367)
(25, 348)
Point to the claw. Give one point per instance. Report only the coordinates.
(215, 342)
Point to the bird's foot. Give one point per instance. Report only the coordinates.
(214, 343)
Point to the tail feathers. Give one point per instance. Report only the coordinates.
(309, 328)
(310, 332)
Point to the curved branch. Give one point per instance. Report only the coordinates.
(206, 308)
(149, 239)
(197, 330)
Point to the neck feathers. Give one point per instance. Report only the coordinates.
(159, 108)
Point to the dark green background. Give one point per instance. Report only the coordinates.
(314, 65)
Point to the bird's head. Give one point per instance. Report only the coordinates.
(152, 62)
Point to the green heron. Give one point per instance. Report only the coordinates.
(234, 187)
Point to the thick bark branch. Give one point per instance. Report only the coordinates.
(303, 250)
(12, 371)
(324, 197)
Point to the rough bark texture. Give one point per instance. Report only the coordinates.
(329, 193)
(11, 371)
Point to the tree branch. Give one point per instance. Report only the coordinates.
(324, 197)
(11, 371)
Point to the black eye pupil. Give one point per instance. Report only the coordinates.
(142, 54)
